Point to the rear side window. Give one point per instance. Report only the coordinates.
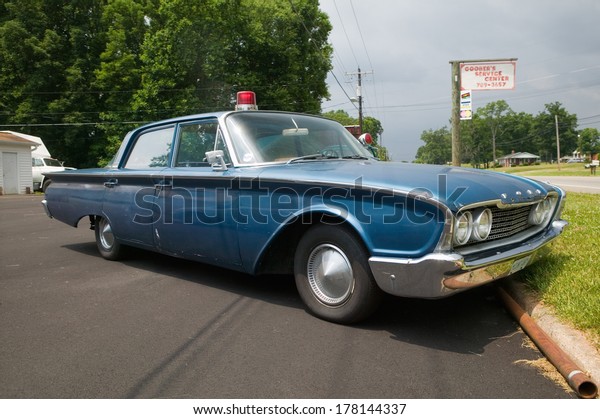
(151, 149)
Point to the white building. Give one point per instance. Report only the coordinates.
(15, 164)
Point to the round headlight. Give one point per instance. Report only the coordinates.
(482, 224)
(551, 205)
(540, 212)
(463, 228)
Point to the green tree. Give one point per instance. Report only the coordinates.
(517, 136)
(75, 73)
(589, 141)
(119, 74)
(196, 55)
(544, 131)
(482, 137)
(437, 148)
(48, 52)
(476, 147)
(495, 116)
(286, 41)
(341, 116)
(370, 124)
(513, 132)
(373, 126)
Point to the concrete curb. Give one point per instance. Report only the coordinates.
(573, 342)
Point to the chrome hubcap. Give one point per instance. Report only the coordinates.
(330, 274)
(107, 239)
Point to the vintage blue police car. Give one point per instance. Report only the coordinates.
(275, 192)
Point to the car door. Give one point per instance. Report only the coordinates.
(195, 201)
(130, 191)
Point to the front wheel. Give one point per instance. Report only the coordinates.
(333, 276)
(107, 245)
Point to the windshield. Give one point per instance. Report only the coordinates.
(52, 162)
(262, 137)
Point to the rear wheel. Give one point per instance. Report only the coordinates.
(107, 245)
(333, 276)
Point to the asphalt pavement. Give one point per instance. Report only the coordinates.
(586, 184)
(73, 325)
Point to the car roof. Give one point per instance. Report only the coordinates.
(219, 114)
(184, 118)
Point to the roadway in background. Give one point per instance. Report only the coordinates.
(586, 184)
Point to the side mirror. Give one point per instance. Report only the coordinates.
(216, 160)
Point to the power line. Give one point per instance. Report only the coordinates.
(63, 124)
(346, 33)
(590, 117)
(361, 35)
(231, 87)
(317, 47)
(358, 26)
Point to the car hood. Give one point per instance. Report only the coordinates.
(453, 186)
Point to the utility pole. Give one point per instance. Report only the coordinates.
(455, 113)
(557, 142)
(456, 86)
(359, 94)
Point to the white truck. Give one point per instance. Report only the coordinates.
(41, 162)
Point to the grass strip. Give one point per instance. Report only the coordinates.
(568, 279)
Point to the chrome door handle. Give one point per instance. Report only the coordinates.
(111, 183)
(163, 184)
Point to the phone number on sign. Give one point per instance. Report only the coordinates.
(366, 409)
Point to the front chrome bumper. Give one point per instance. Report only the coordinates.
(442, 274)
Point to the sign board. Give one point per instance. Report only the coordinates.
(466, 105)
(488, 76)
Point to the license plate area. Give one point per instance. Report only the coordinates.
(519, 264)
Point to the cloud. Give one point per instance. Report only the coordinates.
(408, 45)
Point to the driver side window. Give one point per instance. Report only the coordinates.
(194, 141)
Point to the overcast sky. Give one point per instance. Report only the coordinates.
(408, 45)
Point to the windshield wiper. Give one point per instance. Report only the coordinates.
(356, 157)
(317, 156)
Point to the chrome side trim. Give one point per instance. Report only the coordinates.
(442, 274)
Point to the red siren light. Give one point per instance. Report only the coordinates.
(246, 101)
(366, 138)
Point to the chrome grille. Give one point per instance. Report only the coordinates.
(508, 221)
(509, 224)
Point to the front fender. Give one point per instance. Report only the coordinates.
(388, 225)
